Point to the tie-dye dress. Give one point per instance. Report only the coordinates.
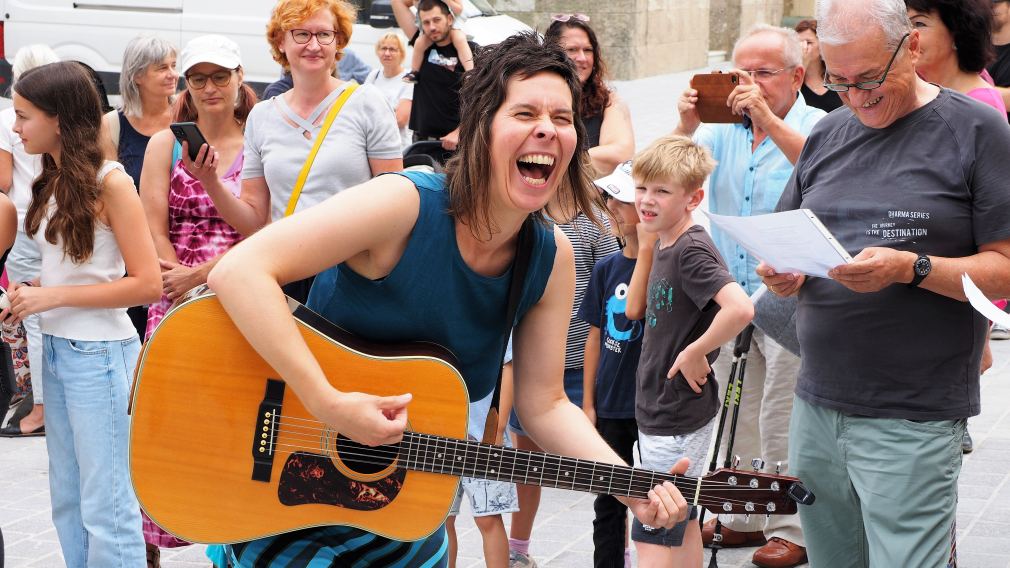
(198, 234)
(195, 228)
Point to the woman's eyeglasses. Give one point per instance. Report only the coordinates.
(324, 37)
(567, 17)
(220, 78)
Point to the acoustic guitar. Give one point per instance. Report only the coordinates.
(220, 452)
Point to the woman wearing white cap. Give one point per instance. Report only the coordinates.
(181, 196)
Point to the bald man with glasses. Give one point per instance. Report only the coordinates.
(910, 178)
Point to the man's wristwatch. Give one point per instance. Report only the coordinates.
(920, 270)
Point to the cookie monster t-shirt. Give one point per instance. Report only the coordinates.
(620, 340)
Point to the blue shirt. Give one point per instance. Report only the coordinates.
(620, 339)
(748, 182)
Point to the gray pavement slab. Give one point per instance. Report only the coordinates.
(562, 536)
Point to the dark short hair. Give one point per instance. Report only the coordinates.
(595, 93)
(970, 24)
(804, 25)
(425, 5)
(484, 90)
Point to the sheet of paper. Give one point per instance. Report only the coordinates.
(983, 304)
(789, 241)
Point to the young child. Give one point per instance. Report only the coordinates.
(489, 499)
(97, 258)
(690, 305)
(456, 34)
(611, 358)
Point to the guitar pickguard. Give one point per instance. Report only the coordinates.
(313, 479)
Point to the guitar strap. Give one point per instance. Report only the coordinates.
(520, 267)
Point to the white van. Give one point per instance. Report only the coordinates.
(97, 31)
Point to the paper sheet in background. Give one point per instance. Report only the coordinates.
(983, 304)
(790, 241)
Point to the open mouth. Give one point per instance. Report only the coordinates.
(535, 168)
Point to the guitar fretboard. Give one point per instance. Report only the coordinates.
(436, 454)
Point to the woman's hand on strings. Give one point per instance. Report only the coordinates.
(366, 419)
(665, 506)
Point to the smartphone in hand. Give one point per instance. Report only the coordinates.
(189, 132)
(713, 91)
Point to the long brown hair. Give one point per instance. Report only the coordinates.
(64, 90)
(595, 92)
(483, 92)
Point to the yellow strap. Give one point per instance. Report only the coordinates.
(304, 174)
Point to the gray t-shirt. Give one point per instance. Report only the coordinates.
(683, 282)
(275, 149)
(934, 182)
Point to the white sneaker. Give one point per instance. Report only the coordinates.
(999, 332)
(520, 560)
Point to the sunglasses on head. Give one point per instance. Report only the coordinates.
(567, 17)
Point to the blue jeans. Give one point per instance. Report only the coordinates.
(95, 510)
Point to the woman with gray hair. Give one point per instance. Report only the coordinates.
(147, 84)
(18, 170)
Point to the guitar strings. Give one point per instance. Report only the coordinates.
(389, 452)
(639, 488)
(640, 492)
(621, 473)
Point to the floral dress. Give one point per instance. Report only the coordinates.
(198, 234)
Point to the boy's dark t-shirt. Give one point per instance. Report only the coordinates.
(620, 339)
(435, 111)
(683, 282)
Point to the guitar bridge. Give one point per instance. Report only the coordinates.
(265, 430)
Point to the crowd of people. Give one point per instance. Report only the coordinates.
(883, 117)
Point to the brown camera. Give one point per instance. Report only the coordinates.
(713, 91)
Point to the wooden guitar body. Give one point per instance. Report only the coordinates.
(221, 452)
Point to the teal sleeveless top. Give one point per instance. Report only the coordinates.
(432, 295)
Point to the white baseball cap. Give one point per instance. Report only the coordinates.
(212, 48)
(620, 185)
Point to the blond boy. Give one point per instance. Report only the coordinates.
(691, 305)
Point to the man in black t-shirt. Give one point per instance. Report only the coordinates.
(1000, 69)
(435, 112)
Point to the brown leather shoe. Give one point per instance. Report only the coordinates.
(780, 553)
(730, 537)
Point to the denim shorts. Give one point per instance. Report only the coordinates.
(660, 453)
(487, 497)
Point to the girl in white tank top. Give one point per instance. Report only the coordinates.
(98, 258)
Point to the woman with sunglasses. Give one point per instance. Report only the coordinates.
(607, 119)
(306, 38)
(180, 194)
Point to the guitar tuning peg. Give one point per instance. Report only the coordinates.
(736, 462)
(778, 467)
(757, 464)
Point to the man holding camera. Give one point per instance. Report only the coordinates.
(756, 159)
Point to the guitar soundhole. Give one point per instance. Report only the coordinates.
(365, 460)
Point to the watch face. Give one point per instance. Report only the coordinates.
(922, 266)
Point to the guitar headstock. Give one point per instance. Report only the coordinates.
(736, 491)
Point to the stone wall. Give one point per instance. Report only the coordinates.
(638, 37)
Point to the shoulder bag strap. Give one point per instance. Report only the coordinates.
(524, 251)
(303, 175)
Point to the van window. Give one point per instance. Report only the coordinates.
(364, 8)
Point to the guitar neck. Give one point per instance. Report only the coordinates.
(449, 456)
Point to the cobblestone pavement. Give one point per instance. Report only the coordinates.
(563, 534)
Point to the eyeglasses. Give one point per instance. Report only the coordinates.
(764, 74)
(324, 37)
(566, 17)
(867, 85)
(220, 78)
